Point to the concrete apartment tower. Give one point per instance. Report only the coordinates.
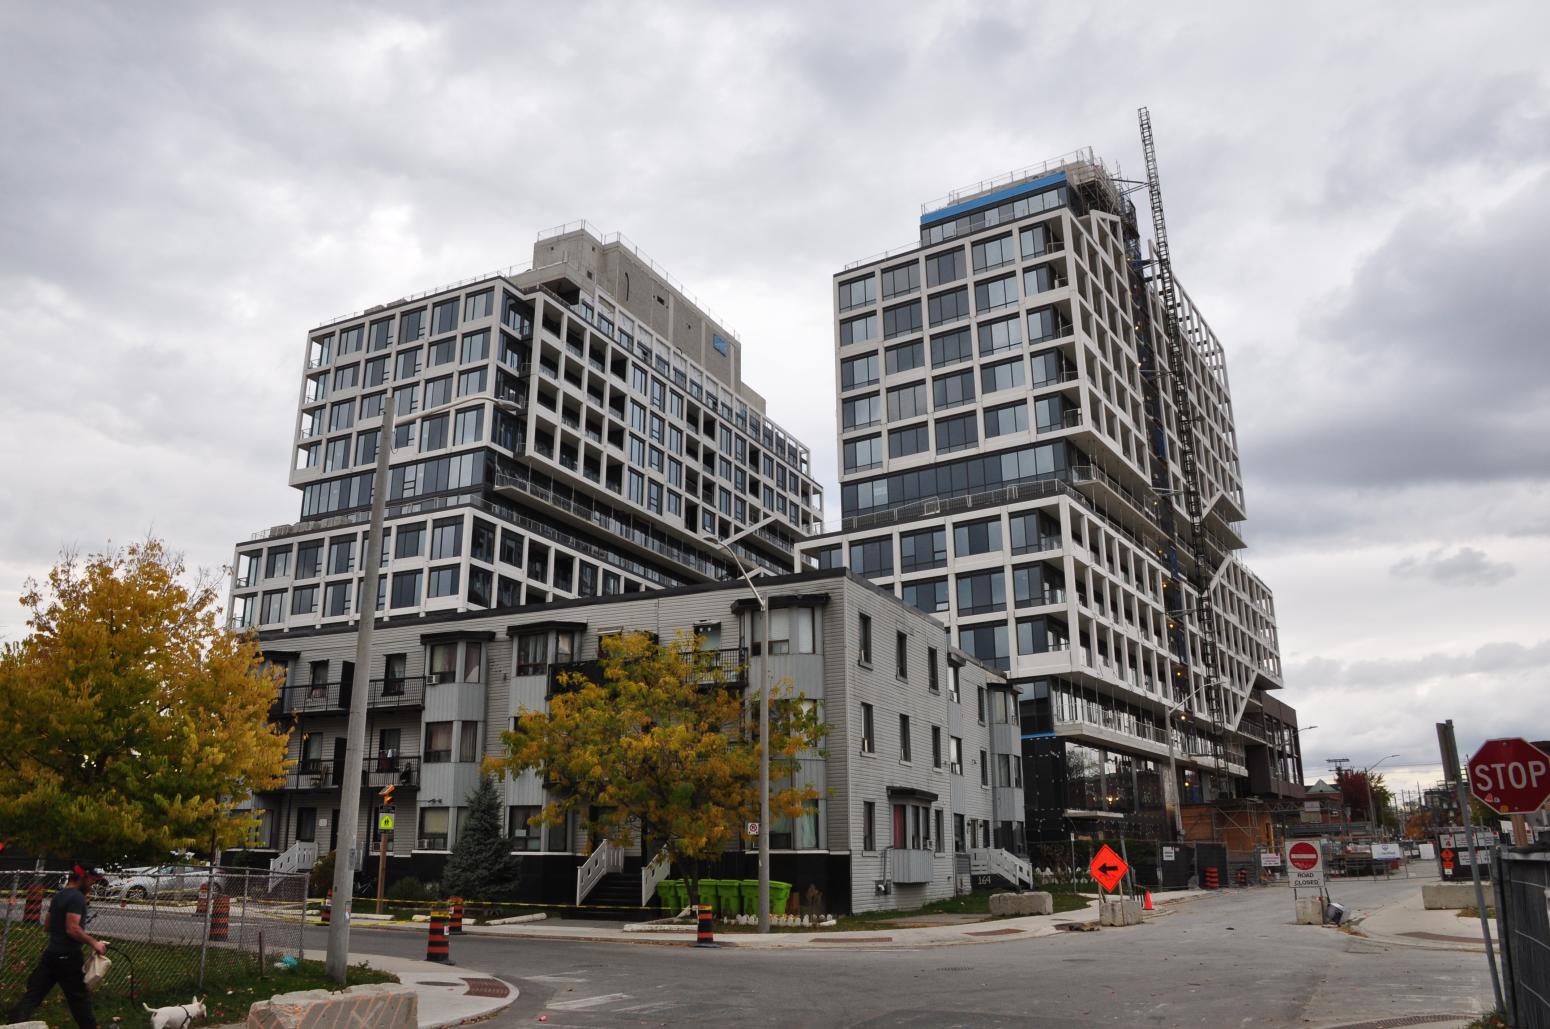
(1009, 447)
(578, 428)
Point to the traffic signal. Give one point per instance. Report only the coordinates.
(387, 795)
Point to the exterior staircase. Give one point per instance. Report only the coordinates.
(616, 898)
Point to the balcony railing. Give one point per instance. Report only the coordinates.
(728, 665)
(406, 692)
(313, 773)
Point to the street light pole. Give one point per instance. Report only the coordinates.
(337, 962)
(764, 725)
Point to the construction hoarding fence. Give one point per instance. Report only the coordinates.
(1522, 886)
(165, 938)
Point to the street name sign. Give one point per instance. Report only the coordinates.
(1511, 777)
(1304, 865)
(1108, 868)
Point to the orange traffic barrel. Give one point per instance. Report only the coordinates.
(455, 926)
(437, 947)
(706, 930)
(220, 918)
(32, 910)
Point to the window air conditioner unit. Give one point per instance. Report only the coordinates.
(440, 677)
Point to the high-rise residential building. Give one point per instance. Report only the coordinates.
(574, 450)
(576, 428)
(1011, 463)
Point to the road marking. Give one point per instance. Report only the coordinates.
(587, 1003)
(555, 979)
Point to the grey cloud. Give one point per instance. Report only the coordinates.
(1465, 567)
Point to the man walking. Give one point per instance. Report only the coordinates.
(61, 963)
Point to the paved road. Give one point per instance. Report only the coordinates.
(1227, 960)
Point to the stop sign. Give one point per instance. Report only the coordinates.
(1510, 776)
(1303, 856)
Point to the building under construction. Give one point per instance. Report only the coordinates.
(1037, 447)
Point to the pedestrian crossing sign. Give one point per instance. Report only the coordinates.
(385, 821)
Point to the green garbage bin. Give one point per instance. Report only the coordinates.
(710, 893)
(780, 894)
(729, 901)
(748, 894)
(677, 897)
(665, 891)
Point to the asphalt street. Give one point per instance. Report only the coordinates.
(1231, 959)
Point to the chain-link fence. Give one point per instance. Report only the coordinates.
(171, 931)
(1522, 887)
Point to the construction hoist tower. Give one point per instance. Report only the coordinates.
(1204, 561)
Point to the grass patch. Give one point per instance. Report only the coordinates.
(1489, 1020)
(1473, 912)
(167, 974)
(976, 903)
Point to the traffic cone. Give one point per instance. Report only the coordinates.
(1148, 905)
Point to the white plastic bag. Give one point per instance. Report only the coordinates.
(97, 970)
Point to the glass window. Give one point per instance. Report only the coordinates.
(443, 582)
(951, 348)
(862, 454)
(1040, 280)
(1049, 367)
(1038, 240)
(992, 253)
(953, 390)
(988, 643)
(468, 741)
(904, 738)
(309, 560)
(408, 365)
(996, 377)
(479, 305)
(902, 279)
(347, 377)
(279, 563)
(1046, 323)
(906, 401)
(406, 589)
(946, 267)
(859, 412)
(444, 317)
(376, 371)
(470, 426)
(868, 728)
(438, 743)
(446, 538)
(864, 639)
(1000, 421)
(381, 335)
(433, 432)
(902, 319)
(441, 352)
(409, 540)
(977, 537)
(411, 326)
(994, 294)
(857, 292)
(957, 433)
(438, 391)
(916, 439)
(981, 592)
(524, 833)
(472, 382)
(858, 330)
(928, 595)
(483, 543)
(872, 558)
(904, 356)
(949, 306)
(859, 371)
(341, 416)
(998, 336)
(304, 600)
(336, 599)
(926, 549)
(1033, 531)
(532, 653)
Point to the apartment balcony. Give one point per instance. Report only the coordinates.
(376, 772)
(728, 666)
(402, 693)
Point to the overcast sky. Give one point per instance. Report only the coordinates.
(1358, 199)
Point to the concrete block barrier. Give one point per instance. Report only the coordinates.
(1120, 912)
(1452, 896)
(1310, 911)
(379, 1005)
(1034, 903)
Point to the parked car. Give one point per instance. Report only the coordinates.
(161, 881)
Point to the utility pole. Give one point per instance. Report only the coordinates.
(1448, 745)
(337, 963)
(764, 724)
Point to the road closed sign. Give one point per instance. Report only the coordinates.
(1304, 865)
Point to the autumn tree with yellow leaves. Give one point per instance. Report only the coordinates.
(665, 741)
(131, 720)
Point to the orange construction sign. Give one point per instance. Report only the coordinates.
(1108, 868)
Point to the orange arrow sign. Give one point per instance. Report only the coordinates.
(1108, 868)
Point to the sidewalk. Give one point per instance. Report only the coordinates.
(1407, 923)
(988, 931)
(449, 994)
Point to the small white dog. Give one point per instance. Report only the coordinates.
(176, 1016)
